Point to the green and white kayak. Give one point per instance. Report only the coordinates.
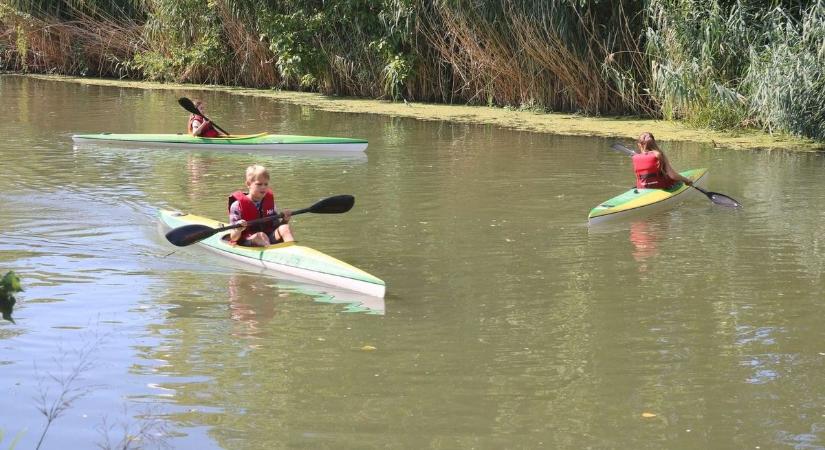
(286, 258)
(642, 201)
(260, 141)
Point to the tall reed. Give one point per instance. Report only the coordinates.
(536, 54)
(786, 77)
(725, 65)
(84, 39)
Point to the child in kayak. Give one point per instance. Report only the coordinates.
(258, 202)
(653, 170)
(199, 126)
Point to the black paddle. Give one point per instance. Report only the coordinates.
(715, 197)
(189, 234)
(189, 106)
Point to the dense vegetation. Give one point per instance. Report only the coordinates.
(715, 63)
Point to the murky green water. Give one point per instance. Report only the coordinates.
(508, 322)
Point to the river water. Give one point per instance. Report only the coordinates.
(508, 322)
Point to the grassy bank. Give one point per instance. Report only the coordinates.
(555, 123)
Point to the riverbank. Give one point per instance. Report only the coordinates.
(554, 123)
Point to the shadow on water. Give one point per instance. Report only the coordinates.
(255, 296)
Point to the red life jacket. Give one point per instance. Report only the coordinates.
(250, 212)
(649, 173)
(207, 131)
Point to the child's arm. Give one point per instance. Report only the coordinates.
(672, 173)
(235, 218)
(197, 130)
(285, 214)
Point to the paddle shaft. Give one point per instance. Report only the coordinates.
(256, 221)
(190, 106)
(189, 234)
(278, 216)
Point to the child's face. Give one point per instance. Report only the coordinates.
(258, 187)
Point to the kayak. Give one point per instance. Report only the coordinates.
(286, 258)
(638, 201)
(260, 141)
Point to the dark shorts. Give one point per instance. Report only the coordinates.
(272, 241)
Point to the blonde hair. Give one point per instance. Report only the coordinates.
(256, 171)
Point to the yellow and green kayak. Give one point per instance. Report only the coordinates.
(260, 141)
(642, 201)
(286, 258)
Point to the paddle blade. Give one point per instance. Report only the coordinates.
(189, 234)
(723, 200)
(333, 205)
(719, 199)
(188, 105)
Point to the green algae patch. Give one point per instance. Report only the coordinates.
(553, 123)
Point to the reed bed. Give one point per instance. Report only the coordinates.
(90, 44)
(718, 63)
(251, 58)
(786, 76)
(729, 65)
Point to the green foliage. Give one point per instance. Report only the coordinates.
(397, 70)
(305, 39)
(185, 40)
(394, 45)
(293, 38)
(396, 73)
(9, 285)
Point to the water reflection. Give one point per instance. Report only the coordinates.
(645, 236)
(196, 171)
(254, 299)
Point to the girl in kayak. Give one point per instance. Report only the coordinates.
(653, 170)
(199, 126)
(258, 202)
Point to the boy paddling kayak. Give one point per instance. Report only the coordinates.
(257, 202)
